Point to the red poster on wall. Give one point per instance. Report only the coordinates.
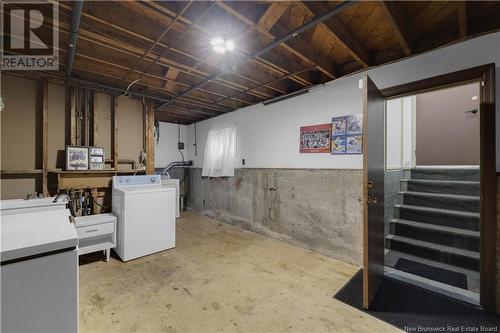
(315, 139)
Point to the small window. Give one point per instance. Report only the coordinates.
(220, 153)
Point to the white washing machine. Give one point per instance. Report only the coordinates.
(17, 206)
(145, 212)
(38, 271)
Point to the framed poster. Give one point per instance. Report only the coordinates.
(339, 126)
(347, 135)
(354, 144)
(77, 158)
(355, 124)
(315, 139)
(338, 144)
(96, 158)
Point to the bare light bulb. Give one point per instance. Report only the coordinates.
(229, 45)
(221, 45)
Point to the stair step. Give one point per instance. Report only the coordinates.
(441, 186)
(437, 252)
(453, 237)
(445, 201)
(438, 216)
(464, 174)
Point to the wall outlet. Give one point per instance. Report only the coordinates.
(180, 145)
(243, 161)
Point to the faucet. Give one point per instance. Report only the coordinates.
(56, 199)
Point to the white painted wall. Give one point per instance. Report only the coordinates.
(268, 136)
(400, 129)
(394, 131)
(409, 131)
(166, 150)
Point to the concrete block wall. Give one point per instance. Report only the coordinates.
(317, 209)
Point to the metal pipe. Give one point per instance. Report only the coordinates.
(75, 27)
(165, 170)
(97, 85)
(315, 21)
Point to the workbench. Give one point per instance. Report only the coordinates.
(98, 181)
(75, 179)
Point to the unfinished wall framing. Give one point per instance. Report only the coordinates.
(42, 117)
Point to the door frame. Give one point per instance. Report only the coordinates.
(485, 74)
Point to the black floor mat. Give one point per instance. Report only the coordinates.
(433, 273)
(417, 310)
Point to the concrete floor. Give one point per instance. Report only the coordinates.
(219, 278)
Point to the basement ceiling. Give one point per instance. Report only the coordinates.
(163, 48)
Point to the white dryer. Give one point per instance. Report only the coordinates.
(145, 212)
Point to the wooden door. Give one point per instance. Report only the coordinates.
(373, 191)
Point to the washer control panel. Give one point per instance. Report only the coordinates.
(121, 181)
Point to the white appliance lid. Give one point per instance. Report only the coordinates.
(138, 180)
(35, 233)
(22, 203)
(144, 189)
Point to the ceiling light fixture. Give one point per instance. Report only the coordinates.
(221, 44)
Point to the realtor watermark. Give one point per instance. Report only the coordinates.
(30, 35)
(452, 328)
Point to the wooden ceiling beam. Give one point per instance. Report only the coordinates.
(306, 26)
(186, 105)
(273, 66)
(193, 110)
(176, 119)
(170, 74)
(168, 79)
(184, 115)
(297, 46)
(194, 100)
(339, 32)
(270, 65)
(275, 80)
(187, 54)
(399, 25)
(181, 35)
(153, 76)
(163, 34)
(272, 14)
(462, 18)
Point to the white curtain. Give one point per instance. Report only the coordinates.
(220, 153)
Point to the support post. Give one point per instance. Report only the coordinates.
(150, 140)
(114, 133)
(45, 135)
(95, 141)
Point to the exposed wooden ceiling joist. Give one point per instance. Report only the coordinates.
(313, 22)
(399, 24)
(163, 34)
(462, 18)
(340, 32)
(147, 39)
(274, 66)
(297, 46)
(272, 14)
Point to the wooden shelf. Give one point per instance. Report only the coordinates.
(93, 172)
(78, 179)
(21, 172)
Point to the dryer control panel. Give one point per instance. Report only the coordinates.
(122, 181)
